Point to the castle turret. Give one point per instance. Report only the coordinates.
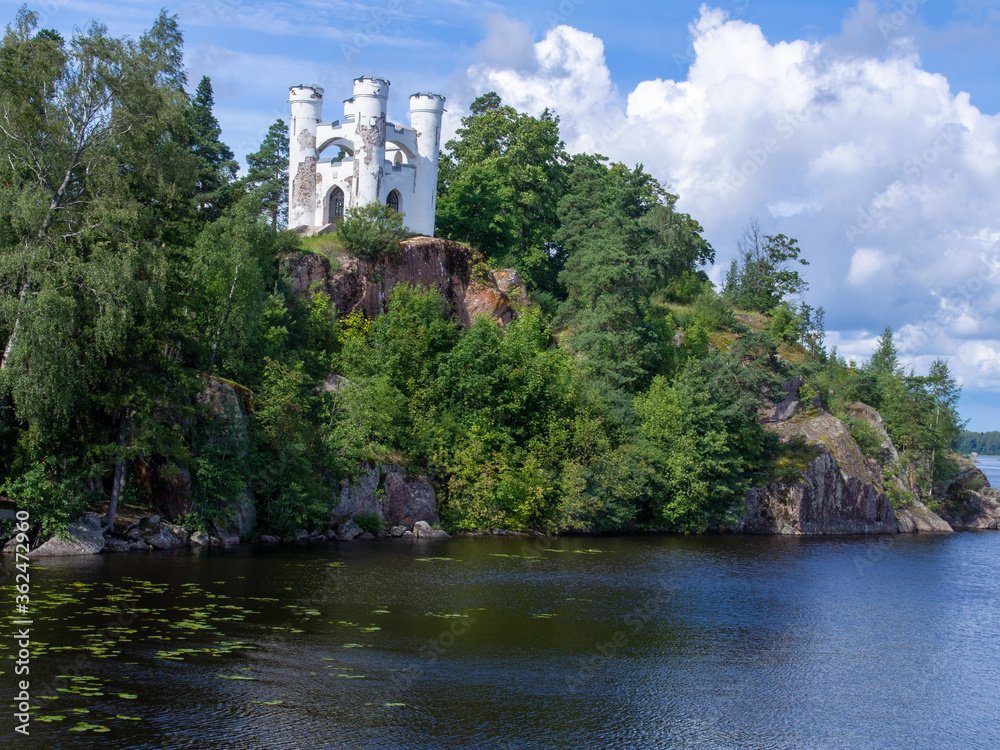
(370, 97)
(426, 111)
(307, 112)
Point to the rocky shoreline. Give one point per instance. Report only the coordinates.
(823, 484)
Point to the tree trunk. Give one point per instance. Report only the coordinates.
(222, 321)
(121, 470)
(21, 301)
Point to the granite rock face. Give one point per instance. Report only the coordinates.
(84, 537)
(450, 267)
(388, 492)
(917, 517)
(826, 487)
(969, 503)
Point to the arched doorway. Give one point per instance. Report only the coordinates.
(336, 206)
(393, 201)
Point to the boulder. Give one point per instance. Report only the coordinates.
(407, 535)
(348, 531)
(969, 503)
(423, 530)
(114, 544)
(397, 531)
(358, 496)
(160, 535)
(788, 407)
(916, 517)
(889, 454)
(168, 488)
(825, 485)
(81, 538)
(301, 536)
(269, 539)
(199, 539)
(241, 520)
(510, 283)
(364, 535)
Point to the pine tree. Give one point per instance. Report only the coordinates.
(268, 173)
(216, 165)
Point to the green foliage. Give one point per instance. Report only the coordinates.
(764, 273)
(498, 187)
(372, 232)
(702, 438)
(985, 443)
(864, 435)
(290, 494)
(215, 164)
(267, 174)
(134, 272)
(369, 522)
(49, 493)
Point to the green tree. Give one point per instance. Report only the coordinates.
(216, 165)
(267, 173)
(764, 272)
(89, 127)
(498, 187)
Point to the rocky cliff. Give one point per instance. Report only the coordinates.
(912, 516)
(969, 503)
(454, 269)
(822, 485)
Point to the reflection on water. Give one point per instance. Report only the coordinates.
(713, 642)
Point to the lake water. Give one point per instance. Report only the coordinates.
(990, 466)
(671, 642)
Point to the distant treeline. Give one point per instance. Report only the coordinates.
(987, 443)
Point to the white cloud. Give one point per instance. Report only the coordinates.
(889, 180)
(865, 265)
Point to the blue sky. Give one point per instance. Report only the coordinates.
(868, 130)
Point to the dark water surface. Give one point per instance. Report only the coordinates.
(714, 642)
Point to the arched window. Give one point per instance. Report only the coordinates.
(336, 205)
(393, 200)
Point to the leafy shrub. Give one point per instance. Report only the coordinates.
(52, 498)
(369, 522)
(864, 435)
(712, 311)
(372, 232)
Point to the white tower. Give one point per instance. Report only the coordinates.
(371, 96)
(307, 110)
(320, 189)
(426, 111)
